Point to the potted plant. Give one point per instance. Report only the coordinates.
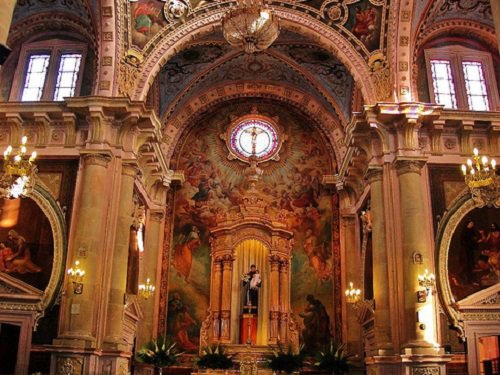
(214, 357)
(288, 361)
(160, 353)
(333, 360)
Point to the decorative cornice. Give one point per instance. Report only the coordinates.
(374, 174)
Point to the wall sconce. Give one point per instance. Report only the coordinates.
(427, 280)
(146, 290)
(76, 275)
(352, 295)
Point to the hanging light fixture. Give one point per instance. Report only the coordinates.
(251, 26)
(480, 176)
(19, 172)
(146, 290)
(352, 295)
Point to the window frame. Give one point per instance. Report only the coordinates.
(456, 55)
(55, 48)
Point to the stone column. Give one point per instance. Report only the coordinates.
(113, 338)
(274, 291)
(382, 324)
(350, 235)
(227, 270)
(153, 239)
(6, 12)
(79, 311)
(414, 240)
(215, 299)
(284, 301)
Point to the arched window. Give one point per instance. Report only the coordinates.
(49, 70)
(461, 78)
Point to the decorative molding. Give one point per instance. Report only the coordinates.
(404, 166)
(69, 366)
(101, 160)
(434, 370)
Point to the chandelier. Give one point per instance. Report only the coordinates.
(480, 176)
(251, 26)
(353, 295)
(146, 290)
(19, 172)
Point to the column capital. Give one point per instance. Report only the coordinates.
(130, 168)
(94, 158)
(404, 166)
(374, 174)
(156, 215)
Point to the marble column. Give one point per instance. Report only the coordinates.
(284, 300)
(153, 240)
(79, 311)
(113, 338)
(227, 270)
(215, 299)
(382, 319)
(274, 290)
(6, 12)
(415, 240)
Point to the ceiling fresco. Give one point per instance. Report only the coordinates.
(427, 12)
(201, 67)
(26, 8)
(362, 22)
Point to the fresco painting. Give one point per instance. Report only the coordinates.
(474, 255)
(364, 23)
(290, 186)
(26, 243)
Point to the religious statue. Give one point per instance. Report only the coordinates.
(252, 281)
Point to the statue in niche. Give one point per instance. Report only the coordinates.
(252, 281)
(136, 247)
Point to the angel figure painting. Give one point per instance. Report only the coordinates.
(26, 244)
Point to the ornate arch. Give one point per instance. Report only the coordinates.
(42, 197)
(186, 116)
(292, 19)
(463, 205)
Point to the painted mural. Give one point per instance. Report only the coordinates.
(290, 186)
(474, 255)
(26, 243)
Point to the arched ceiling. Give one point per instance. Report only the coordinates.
(428, 13)
(291, 61)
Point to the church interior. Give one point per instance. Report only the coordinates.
(260, 176)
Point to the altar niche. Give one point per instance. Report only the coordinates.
(234, 249)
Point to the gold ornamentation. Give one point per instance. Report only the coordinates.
(481, 178)
(129, 72)
(381, 76)
(251, 26)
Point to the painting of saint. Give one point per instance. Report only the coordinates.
(183, 253)
(316, 332)
(474, 254)
(364, 22)
(183, 327)
(26, 245)
(147, 20)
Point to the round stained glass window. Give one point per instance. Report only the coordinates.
(254, 137)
